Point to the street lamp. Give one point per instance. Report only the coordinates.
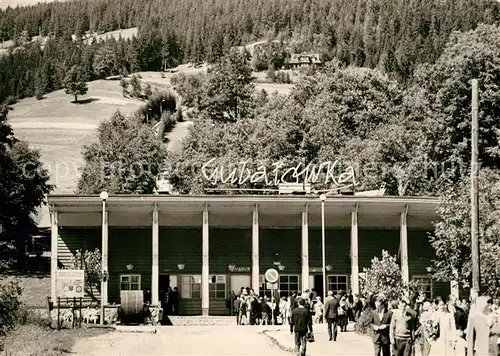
(180, 266)
(104, 197)
(322, 197)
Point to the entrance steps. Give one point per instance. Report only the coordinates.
(198, 320)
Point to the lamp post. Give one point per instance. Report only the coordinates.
(322, 197)
(104, 197)
(180, 266)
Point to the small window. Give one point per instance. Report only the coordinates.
(338, 283)
(130, 282)
(217, 287)
(191, 287)
(288, 284)
(424, 285)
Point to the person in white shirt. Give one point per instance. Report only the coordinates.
(318, 311)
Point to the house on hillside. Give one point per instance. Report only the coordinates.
(302, 60)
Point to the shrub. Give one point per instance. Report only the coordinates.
(124, 84)
(38, 94)
(10, 307)
(147, 90)
(383, 277)
(271, 75)
(10, 100)
(283, 77)
(33, 317)
(169, 121)
(363, 326)
(136, 86)
(189, 87)
(157, 103)
(178, 115)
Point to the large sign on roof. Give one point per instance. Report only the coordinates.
(330, 173)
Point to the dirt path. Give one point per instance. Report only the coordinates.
(182, 340)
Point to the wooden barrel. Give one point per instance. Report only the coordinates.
(131, 303)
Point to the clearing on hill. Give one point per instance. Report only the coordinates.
(60, 128)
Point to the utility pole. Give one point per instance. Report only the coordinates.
(474, 191)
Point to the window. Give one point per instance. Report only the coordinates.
(338, 283)
(191, 287)
(130, 282)
(288, 284)
(265, 287)
(217, 287)
(424, 285)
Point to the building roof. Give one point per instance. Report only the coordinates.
(306, 58)
(422, 210)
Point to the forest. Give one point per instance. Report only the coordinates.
(392, 36)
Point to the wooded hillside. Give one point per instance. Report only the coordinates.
(391, 35)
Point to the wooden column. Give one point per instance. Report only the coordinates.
(54, 236)
(404, 246)
(354, 251)
(104, 241)
(205, 296)
(155, 271)
(255, 250)
(305, 249)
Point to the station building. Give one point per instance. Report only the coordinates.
(209, 245)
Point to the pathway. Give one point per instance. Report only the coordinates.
(218, 340)
(182, 341)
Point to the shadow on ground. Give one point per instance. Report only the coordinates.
(85, 101)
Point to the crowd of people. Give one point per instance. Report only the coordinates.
(252, 309)
(438, 327)
(415, 326)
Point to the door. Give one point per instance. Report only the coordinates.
(240, 280)
(163, 284)
(318, 285)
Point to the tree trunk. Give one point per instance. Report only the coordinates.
(76, 98)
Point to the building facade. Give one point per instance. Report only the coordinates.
(207, 246)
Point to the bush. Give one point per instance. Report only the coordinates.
(169, 121)
(10, 307)
(10, 100)
(148, 91)
(189, 87)
(157, 103)
(363, 326)
(33, 317)
(271, 75)
(38, 94)
(283, 77)
(384, 277)
(178, 115)
(124, 84)
(136, 86)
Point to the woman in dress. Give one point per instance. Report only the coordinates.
(444, 345)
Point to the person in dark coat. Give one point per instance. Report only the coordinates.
(381, 322)
(237, 306)
(293, 304)
(331, 315)
(301, 322)
(254, 310)
(459, 314)
(174, 299)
